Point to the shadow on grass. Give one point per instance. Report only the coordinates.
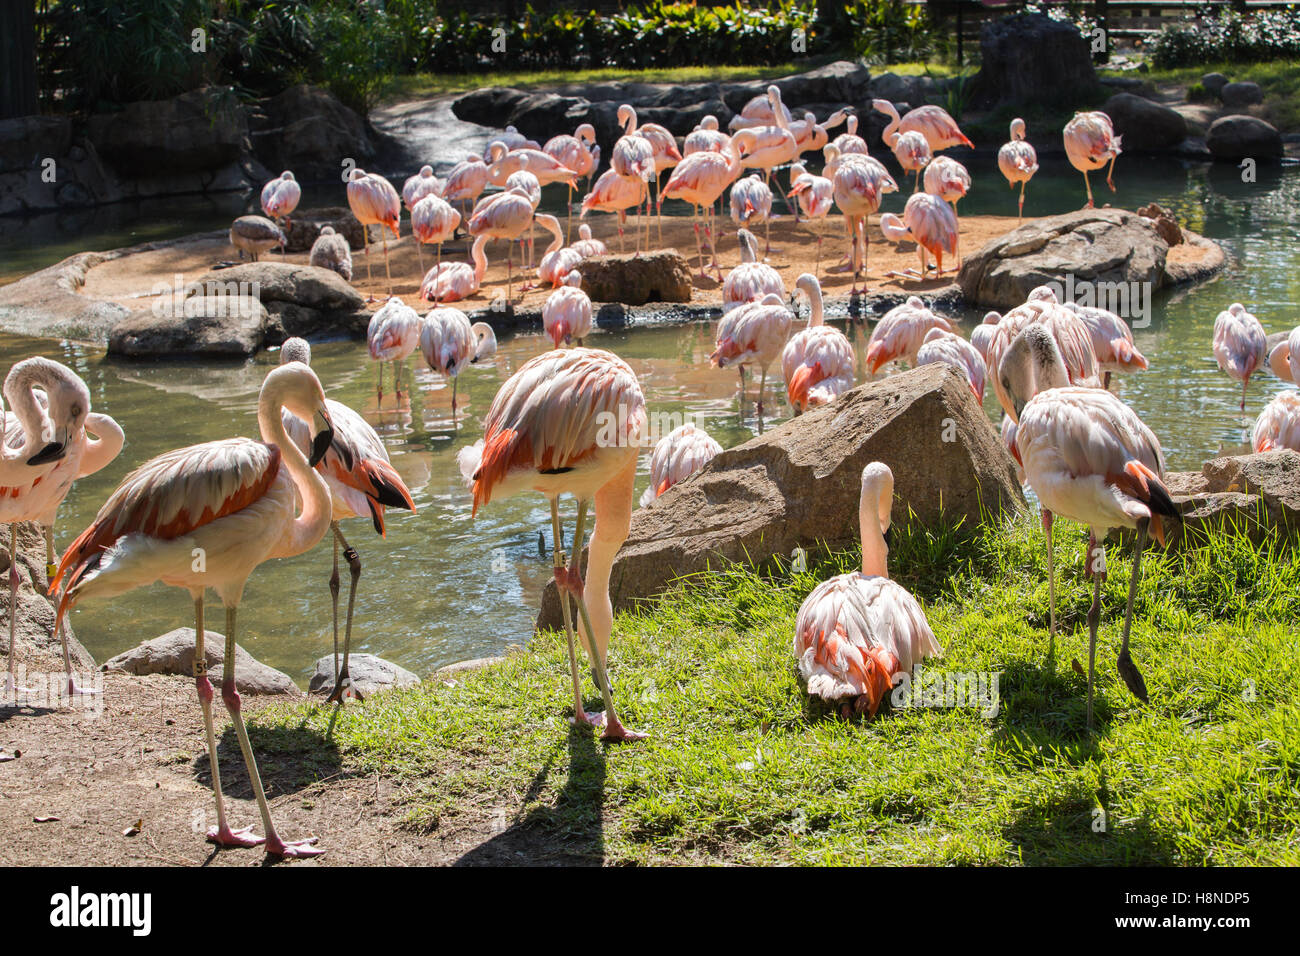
(289, 759)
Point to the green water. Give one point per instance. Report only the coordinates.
(443, 587)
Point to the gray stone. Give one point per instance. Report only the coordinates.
(230, 325)
(1031, 58)
(798, 485)
(285, 319)
(1243, 137)
(309, 286)
(306, 129)
(1241, 94)
(173, 653)
(1256, 495)
(465, 667)
(197, 132)
(370, 674)
(305, 226)
(1145, 125)
(636, 280)
(1214, 83)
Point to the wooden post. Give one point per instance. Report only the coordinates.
(17, 58)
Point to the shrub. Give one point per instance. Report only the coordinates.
(1229, 38)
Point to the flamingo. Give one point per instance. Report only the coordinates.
(331, 251)
(949, 180)
(1239, 345)
(982, 334)
(818, 360)
(816, 196)
(856, 631)
(433, 221)
(449, 343)
(751, 279)
(545, 167)
(361, 482)
(235, 502)
(255, 235)
(588, 247)
(751, 204)
(578, 152)
(615, 193)
(1284, 359)
(772, 145)
(1112, 341)
(453, 281)
(700, 179)
(557, 262)
(705, 138)
(850, 141)
(1278, 425)
(950, 348)
(929, 222)
(506, 217)
(662, 143)
(860, 183)
(900, 333)
(912, 152)
(933, 122)
(678, 455)
(761, 110)
(753, 333)
(1018, 162)
(570, 421)
(422, 184)
(809, 135)
(566, 316)
(40, 460)
(280, 197)
(1007, 431)
(374, 201)
(466, 182)
(392, 335)
(530, 184)
(512, 140)
(1091, 143)
(1089, 457)
(1067, 328)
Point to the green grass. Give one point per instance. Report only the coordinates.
(1279, 80)
(742, 768)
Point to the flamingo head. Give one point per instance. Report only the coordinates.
(1017, 129)
(804, 378)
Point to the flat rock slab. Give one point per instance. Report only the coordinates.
(173, 653)
(636, 280)
(304, 285)
(370, 674)
(1256, 495)
(799, 484)
(217, 325)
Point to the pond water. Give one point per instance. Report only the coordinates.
(443, 587)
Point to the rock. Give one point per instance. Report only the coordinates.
(197, 132)
(655, 277)
(838, 82)
(173, 653)
(370, 674)
(1030, 58)
(798, 484)
(1214, 83)
(487, 107)
(1091, 245)
(285, 319)
(1145, 125)
(307, 130)
(305, 226)
(1257, 495)
(229, 325)
(1165, 222)
(39, 648)
(26, 140)
(310, 286)
(1235, 96)
(1243, 137)
(46, 303)
(465, 667)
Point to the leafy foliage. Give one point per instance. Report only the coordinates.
(1229, 37)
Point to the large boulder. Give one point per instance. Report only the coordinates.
(173, 653)
(309, 286)
(1239, 95)
(798, 485)
(1256, 495)
(1239, 137)
(1214, 83)
(839, 82)
(213, 325)
(1031, 58)
(1145, 125)
(197, 132)
(307, 130)
(1091, 245)
(636, 280)
(369, 674)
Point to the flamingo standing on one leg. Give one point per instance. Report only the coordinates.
(433, 220)
(1091, 143)
(1089, 457)
(818, 360)
(566, 316)
(1018, 162)
(929, 222)
(949, 348)
(548, 430)
(900, 333)
(615, 193)
(449, 343)
(1278, 425)
(41, 459)
(678, 455)
(361, 481)
(949, 180)
(860, 183)
(755, 332)
(1239, 345)
(751, 279)
(392, 335)
(453, 281)
(374, 201)
(236, 502)
(280, 197)
(857, 630)
(578, 152)
(1112, 341)
(700, 179)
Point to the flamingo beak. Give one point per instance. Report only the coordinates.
(323, 438)
(52, 452)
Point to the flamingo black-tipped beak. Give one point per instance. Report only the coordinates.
(51, 452)
(322, 440)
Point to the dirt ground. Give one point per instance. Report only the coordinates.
(131, 279)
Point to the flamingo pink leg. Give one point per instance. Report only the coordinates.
(581, 717)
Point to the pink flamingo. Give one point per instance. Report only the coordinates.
(949, 348)
(1112, 341)
(280, 197)
(912, 152)
(511, 139)
(751, 204)
(615, 193)
(949, 180)
(933, 122)
(818, 360)
(900, 333)
(773, 145)
(506, 217)
(856, 631)
(929, 222)
(588, 247)
(815, 197)
(236, 503)
(566, 316)
(1278, 425)
(850, 142)
(374, 201)
(36, 472)
(753, 333)
(700, 179)
(1091, 143)
(570, 421)
(705, 138)
(1018, 162)
(860, 183)
(761, 110)
(331, 251)
(982, 334)
(542, 165)
(530, 184)
(678, 455)
(391, 336)
(558, 262)
(1239, 345)
(578, 152)
(433, 221)
(662, 142)
(453, 281)
(422, 184)
(751, 279)
(361, 481)
(466, 182)
(449, 343)
(1089, 457)
(1284, 359)
(1067, 328)
(811, 136)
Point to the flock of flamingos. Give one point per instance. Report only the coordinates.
(239, 502)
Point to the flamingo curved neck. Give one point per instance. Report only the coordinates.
(20, 394)
(815, 301)
(894, 121)
(480, 258)
(310, 525)
(875, 553)
(105, 445)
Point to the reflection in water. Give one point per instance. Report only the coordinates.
(443, 588)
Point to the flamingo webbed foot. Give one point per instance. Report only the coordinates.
(243, 837)
(588, 719)
(1132, 676)
(617, 733)
(295, 850)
